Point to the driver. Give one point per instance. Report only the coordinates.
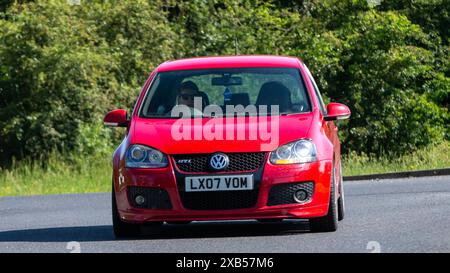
(187, 95)
(188, 91)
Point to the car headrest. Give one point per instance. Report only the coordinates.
(275, 93)
(239, 99)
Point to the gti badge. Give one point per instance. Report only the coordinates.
(184, 161)
(219, 161)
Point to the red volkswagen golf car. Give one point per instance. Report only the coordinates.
(228, 138)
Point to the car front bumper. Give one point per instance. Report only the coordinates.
(318, 173)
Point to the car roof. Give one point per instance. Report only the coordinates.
(230, 62)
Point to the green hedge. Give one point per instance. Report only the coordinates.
(63, 66)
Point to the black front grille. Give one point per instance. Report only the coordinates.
(155, 198)
(219, 200)
(284, 193)
(239, 162)
(223, 200)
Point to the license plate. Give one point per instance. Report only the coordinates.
(219, 183)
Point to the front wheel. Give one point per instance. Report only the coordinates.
(328, 222)
(122, 229)
(269, 220)
(178, 222)
(341, 200)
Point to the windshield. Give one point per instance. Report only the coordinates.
(225, 92)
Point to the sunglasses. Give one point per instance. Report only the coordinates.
(187, 96)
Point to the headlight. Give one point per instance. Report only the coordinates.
(301, 151)
(139, 156)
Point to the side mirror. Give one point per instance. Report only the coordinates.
(116, 118)
(337, 111)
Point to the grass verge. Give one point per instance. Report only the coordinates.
(76, 175)
(82, 174)
(432, 157)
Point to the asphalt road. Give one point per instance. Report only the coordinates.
(402, 215)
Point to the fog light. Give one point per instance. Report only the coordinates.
(300, 196)
(139, 199)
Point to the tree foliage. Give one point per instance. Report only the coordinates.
(63, 66)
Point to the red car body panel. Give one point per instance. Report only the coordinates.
(229, 62)
(159, 134)
(156, 133)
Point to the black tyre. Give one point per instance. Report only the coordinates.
(122, 229)
(178, 222)
(269, 220)
(341, 200)
(329, 222)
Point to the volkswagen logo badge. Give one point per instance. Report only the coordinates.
(219, 161)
